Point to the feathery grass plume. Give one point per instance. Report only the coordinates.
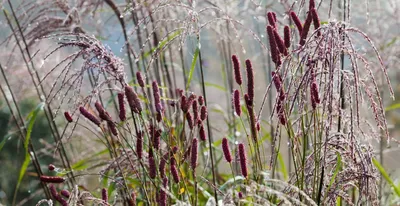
(89, 116)
(174, 170)
(65, 193)
(226, 150)
(281, 45)
(103, 114)
(236, 102)
(56, 196)
(195, 109)
(243, 160)
(250, 80)
(104, 195)
(68, 117)
(163, 194)
(297, 22)
(139, 144)
(273, 47)
(51, 167)
(190, 120)
(286, 36)
(271, 16)
(203, 113)
(140, 80)
(202, 132)
(152, 165)
(194, 154)
(121, 104)
(51, 179)
(157, 98)
(133, 100)
(200, 100)
(316, 21)
(306, 29)
(236, 70)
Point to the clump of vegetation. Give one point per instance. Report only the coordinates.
(155, 131)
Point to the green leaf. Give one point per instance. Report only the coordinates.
(193, 66)
(216, 86)
(237, 180)
(7, 137)
(337, 170)
(386, 176)
(31, 118)
(392, 107)
(161, 44)
(282, 166)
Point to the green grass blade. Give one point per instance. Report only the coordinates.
(337, 169)
(386, 176)
(193, 66)
(31, 121)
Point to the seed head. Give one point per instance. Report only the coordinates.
(250, 80)
(113, 128)
(236, 102)
(139, 144)
(311, 5)
(183, 103)
(163, 194)
(273, 47)
(226, 150)
(65, 193)
(236, 69)
(243, 160)
(68, 116)
(306, 29)
(272, 19)
(157, 98)
(121, 103)
(51, 179)
(103, 114)
(195, 109)
(189, 119)
(280, 44)
(286, 36)
(56, 196)
(104, 195)
(133, 100)
(174, 170)
(297, 22)
(203, 113)
(152, 165)
(51, 167)
(201, 100)
(202, 132)
(193, 156)
(133, 199)
(315, 17)
(139, 78)
(89, 116)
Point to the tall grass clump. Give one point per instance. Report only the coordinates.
(146, 126)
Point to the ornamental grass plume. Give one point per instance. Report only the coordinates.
(195, 109)
(271, 16)
(157, 97)
(190, 120)
(104, 195)
(236, 69)
(152, 165)
(56, 196)
(65, 193)
(51, 179)
(280, 44)
(139, 144)
(103, 114)
(201, 100)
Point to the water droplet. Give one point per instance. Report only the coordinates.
(237, 133)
